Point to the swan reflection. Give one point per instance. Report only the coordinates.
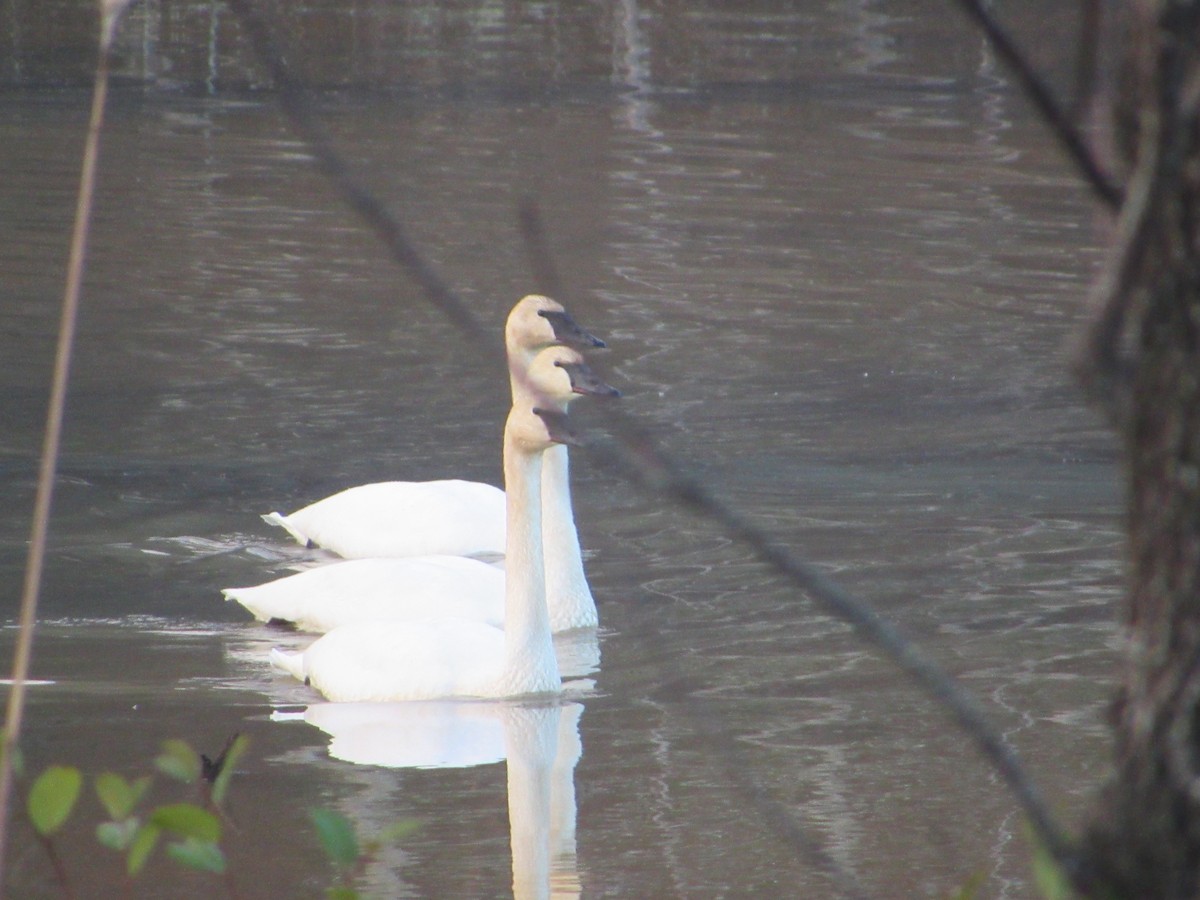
(539, 741)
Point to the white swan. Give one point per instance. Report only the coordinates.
(366, 590)
(404, 660)
(458, 518)
(412, 588)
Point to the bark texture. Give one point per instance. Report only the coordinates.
(1142, 362)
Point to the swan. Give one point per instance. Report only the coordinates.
(453, 517)
(430, 587)
(429, 660)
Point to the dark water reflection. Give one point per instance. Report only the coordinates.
(837, 264)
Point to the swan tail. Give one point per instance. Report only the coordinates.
(292, 663)
(255, 609)
(281, 521)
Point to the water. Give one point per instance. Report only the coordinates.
(838, 265)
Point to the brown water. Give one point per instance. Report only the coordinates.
(837, 263)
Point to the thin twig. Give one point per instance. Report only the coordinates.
(637, 454)
(1087, 59)
(541, 260)
(109, 14)
(1053, 114)
(60, 870)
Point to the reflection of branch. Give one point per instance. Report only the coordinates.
(386, 226)
(638, 455)
(641, 459)
(774, 815)
(1053, 114)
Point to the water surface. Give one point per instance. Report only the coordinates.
(837, 263)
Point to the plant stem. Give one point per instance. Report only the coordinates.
(60, 871)
(53, 433)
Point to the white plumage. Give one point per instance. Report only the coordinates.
(424, 660)
(365, 590)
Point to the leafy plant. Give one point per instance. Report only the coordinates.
(1052, 882)
(349, 855)
(193, 830)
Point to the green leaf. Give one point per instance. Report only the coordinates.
(139, 786)
(394, 833)
(179, 761)
(1052, 882)
(115, 794)
(188, 821)
(117, 835)
(142, 846)
(341, 893)
(970, 890)
(221, 784)
(52, 797)
(337, 836)
(205, 856)
(119, 796)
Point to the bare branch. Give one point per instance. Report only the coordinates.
(1057, 118)
(636, 453)
(541, 260)
(1087, 59)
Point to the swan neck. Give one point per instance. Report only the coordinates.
(518, 375)
(567, 591)
(527, 624)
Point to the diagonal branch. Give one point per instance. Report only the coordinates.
(1052, 112)
(636, 453)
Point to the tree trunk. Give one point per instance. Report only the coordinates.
(1143, 364)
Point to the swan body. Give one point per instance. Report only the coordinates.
(402, 518)
(428, 660)
(391, 661)
(365, 590)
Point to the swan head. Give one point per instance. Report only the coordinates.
(539, 416)
(537, 428)
(538, 321)
(558, 374)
